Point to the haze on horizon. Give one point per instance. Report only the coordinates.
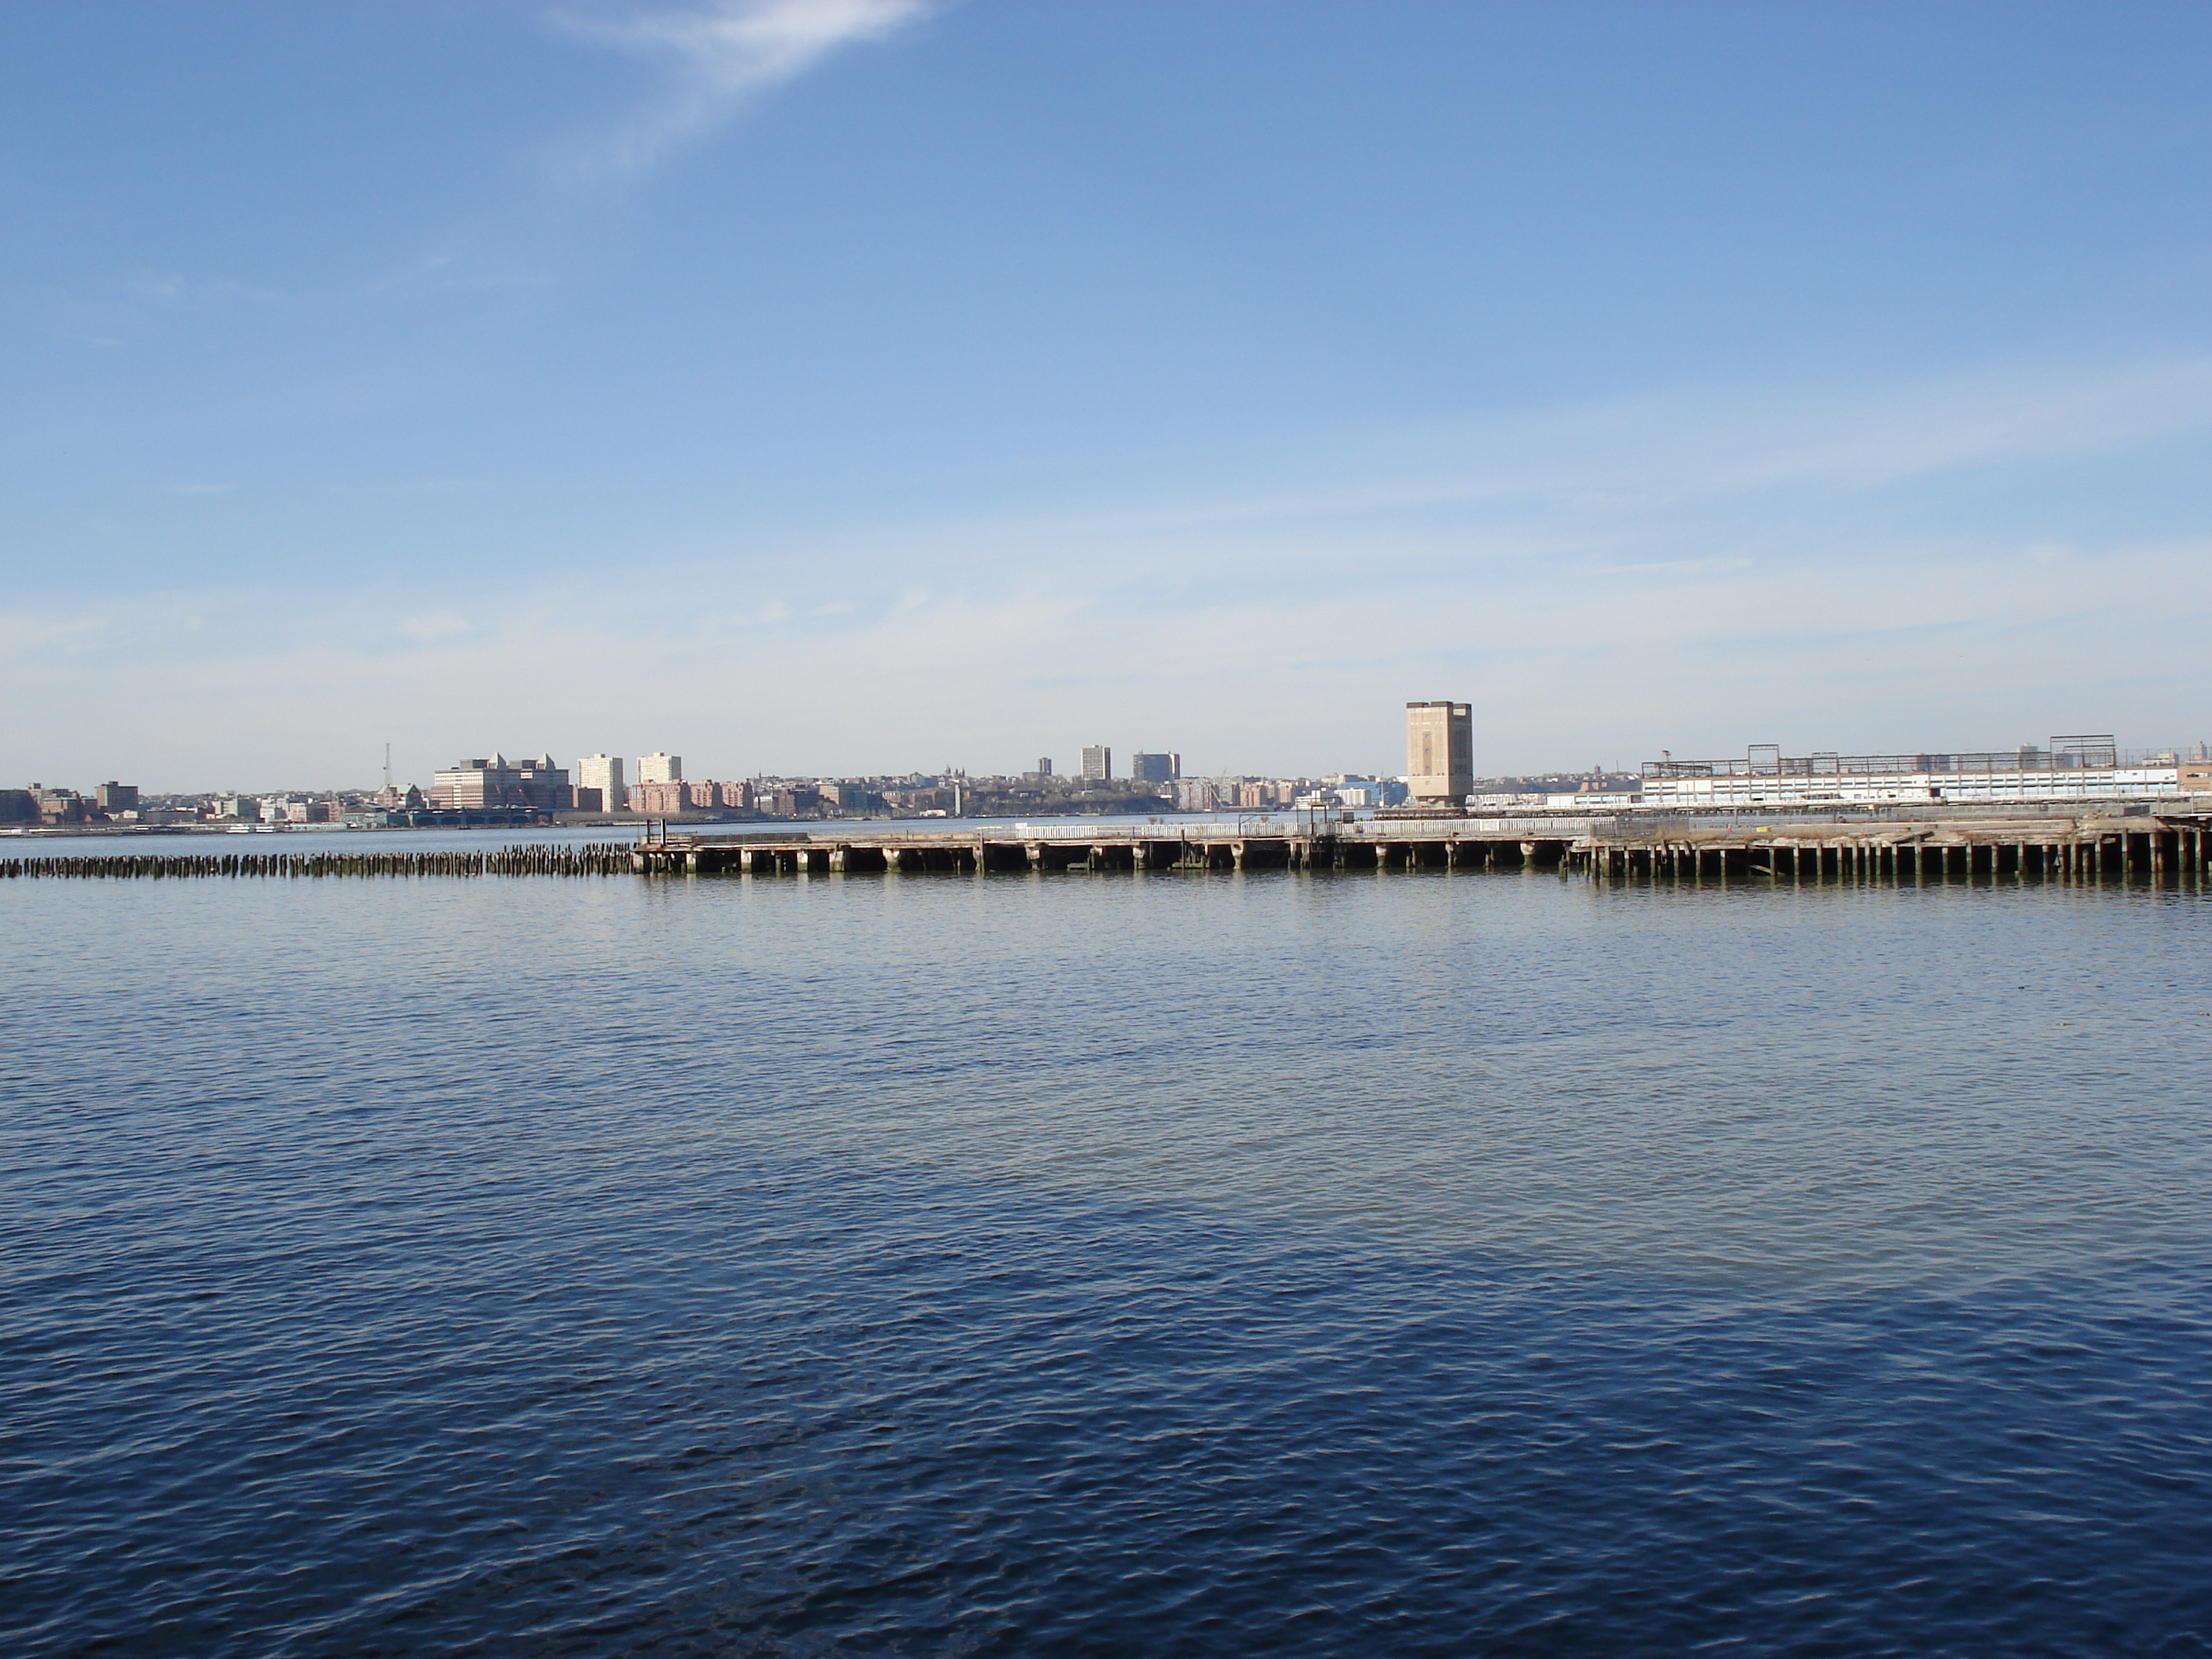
(854, 385)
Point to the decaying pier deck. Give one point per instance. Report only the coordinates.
(1914, 851)
(2079, 847)
(2055, 846)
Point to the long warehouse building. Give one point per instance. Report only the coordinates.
(2072, 768)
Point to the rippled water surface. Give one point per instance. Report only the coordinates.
(1170, 1264)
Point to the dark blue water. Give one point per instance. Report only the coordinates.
(1187, 1265)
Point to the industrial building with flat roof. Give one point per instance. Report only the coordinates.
(2071, 769)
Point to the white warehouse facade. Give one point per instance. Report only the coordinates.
(2073, 769)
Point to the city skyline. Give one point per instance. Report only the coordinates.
(598, 770)
(838, 385)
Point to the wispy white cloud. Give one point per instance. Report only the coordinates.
(720, 54)
(1974, 420)
(437, 625)
(176, 289)
(1672, 452)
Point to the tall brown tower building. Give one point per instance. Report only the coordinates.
(1439, 752)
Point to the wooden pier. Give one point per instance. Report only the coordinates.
(2086, 847)
(1907, 852)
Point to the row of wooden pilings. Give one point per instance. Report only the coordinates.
(2155, 850)
(595, 859)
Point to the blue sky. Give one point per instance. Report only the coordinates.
(866, 384)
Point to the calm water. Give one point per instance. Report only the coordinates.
(1416, 1264)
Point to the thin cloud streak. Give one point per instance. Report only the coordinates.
(1677, 451)
(722, 55)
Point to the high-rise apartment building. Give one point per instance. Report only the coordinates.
(1439, 753)
(1155, 768)
(605, 774)
(1098, 763)
(1044, 766)
(660, 769)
